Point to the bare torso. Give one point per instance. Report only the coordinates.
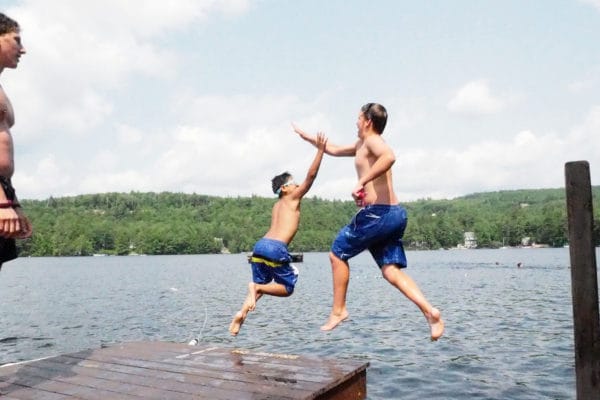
(7, 119)
(380, 190)
(285, 219)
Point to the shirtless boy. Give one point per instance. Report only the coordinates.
(272, 273)
(13, 222)
(379, 225)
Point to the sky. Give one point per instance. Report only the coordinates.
(198, 96)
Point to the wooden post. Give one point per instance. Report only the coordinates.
(584, 281)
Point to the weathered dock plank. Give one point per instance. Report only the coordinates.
(160, 370)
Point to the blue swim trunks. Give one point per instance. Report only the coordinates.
(271, 262)
(378, 228)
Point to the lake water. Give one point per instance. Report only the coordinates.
(509, 330)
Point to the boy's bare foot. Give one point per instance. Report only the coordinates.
(236, 323)
(251, 298)
(435, 323)
(334, 320)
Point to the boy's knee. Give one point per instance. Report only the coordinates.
(332, 256)
(336, 260)
(389, 271)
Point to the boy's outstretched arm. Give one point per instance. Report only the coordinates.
(304, 187)
(331, 149)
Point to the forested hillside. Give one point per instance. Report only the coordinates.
(177, 223)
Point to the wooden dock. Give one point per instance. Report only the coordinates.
(160, 370)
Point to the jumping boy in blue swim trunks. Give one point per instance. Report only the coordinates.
(272, 273)
(379, 225)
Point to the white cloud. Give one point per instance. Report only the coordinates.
(240, 158)
(475, 98)
(128, 134)
(140, 18)
(80, 56)
(106, 101)
(49, 176)
(225, 146)
(121, 181)
(594, 3)
(584, 141)
(528, 160)
(227, 140)
(80, 52)
(582, 85)
(81, 118)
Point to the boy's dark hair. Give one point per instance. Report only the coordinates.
(377, 114)
(279, 180)
(7, 24)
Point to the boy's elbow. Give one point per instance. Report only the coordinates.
(391, 159)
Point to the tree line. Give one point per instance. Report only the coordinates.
(178, 223)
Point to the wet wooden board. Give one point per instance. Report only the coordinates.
(160, 370)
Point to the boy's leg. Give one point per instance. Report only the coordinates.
(399, 279)
(255, 292)
(248, 305)
(341, 276)
(273, 289)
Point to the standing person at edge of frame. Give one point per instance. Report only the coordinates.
(272, 273)
(379, 225)
(13, 222)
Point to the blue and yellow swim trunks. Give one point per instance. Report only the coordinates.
(378, 228)
(270, 261)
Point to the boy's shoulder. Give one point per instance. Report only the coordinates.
(290, 198)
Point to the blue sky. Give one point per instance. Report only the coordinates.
(197, 96)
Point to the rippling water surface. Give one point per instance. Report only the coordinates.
(509, 330)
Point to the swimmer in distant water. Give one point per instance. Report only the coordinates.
(272, 273)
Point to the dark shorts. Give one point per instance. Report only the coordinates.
(8, 247)
(378, 228)
(271, 262)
